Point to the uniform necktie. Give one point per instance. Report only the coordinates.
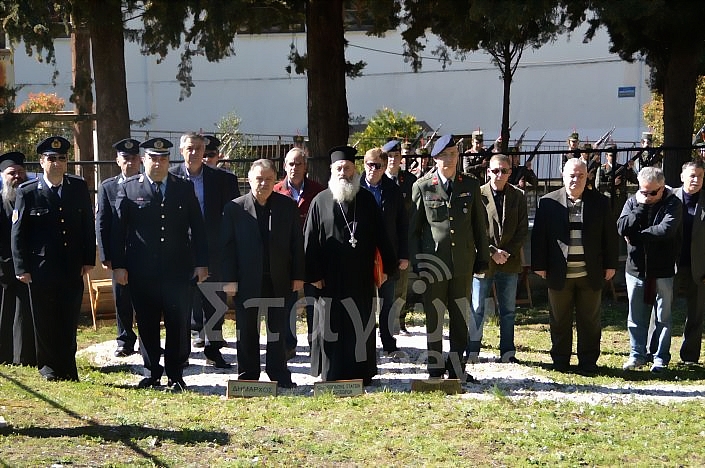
(56, 189)
(449, 188)
(158, 192)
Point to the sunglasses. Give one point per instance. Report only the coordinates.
(503, 170)
(210, 155)
(55, 157)
(371, 165)
(651, 193)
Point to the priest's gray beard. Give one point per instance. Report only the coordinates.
(9, 193)
(344, 190)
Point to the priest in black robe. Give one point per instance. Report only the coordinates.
(343, 229)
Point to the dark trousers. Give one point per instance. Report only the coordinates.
(153, 299)
(579, 299)
(695, 301)
(124, 315)
(56, 306)
(385, 293)
(16, 326)
(247, 321)
(292, 305)
(452, 294)
(207, 320)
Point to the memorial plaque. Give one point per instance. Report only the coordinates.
(339, 387)
(448, 386)
(250, 388)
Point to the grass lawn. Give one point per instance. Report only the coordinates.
(100, 422)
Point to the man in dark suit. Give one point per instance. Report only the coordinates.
(448, 232)
(16, 327)
(405, 180)
(214, 188)
(160, 242)
(691, 268)
(53, 246)
(128, 159)
(263, 262)
(297, 186)
(574, 248)
(507, 228)
(396, 221)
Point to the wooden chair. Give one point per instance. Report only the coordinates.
(100, 290)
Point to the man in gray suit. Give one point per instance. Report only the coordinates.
(574, 248)
(691, 268)
(262, 263)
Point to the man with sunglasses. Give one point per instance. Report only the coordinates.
(128, 160)
(507, 228)
(390, 200)
(53, 246)
(651, 224)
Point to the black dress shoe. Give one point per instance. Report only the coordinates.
(177, 386)
(123, 351)
(50, 377)
(284, 384)
(216, 360)
(149, 382)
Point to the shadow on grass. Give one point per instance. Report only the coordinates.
(113, 433)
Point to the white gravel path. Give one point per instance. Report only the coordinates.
(515, 381)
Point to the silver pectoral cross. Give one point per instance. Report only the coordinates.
(353, 241)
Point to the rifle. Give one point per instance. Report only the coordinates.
(521, 138)
(603, 139)
(417, 139)
(697, 135)
(621, 168)
(512, 125)
(356, 143)
(433, 135)
(535, 150)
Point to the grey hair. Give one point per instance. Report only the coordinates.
(294, 151)
(190, 136)
(651, 174)
(575, 162)
(264, 164)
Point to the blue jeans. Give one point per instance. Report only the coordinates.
(506, 286)
(640, 315)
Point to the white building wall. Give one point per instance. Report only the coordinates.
(561, 86)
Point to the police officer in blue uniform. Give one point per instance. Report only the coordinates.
(159, 247)
(53, 246)
(448, 236)
(128, 159)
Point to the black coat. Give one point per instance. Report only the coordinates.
(154, 242)
(50, 240)
(219, 187)
(396, 217)
(105, 211)
(550, 238)
(242, 248)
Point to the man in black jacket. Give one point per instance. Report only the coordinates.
(396, 220)
(651, 224)
(214, 188)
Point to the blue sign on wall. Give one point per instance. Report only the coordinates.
(626, 91)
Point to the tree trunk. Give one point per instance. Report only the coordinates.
(681, 76)
(82, 99)
(327, 100)
(112, 113)
(507, 82)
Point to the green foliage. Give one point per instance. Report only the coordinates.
(653, 112)
(386, 123)
(233, 144)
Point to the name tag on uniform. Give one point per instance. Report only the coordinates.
(432, 197)
(464, 194)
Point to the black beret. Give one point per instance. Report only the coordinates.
(339, 153)
(13, 158)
